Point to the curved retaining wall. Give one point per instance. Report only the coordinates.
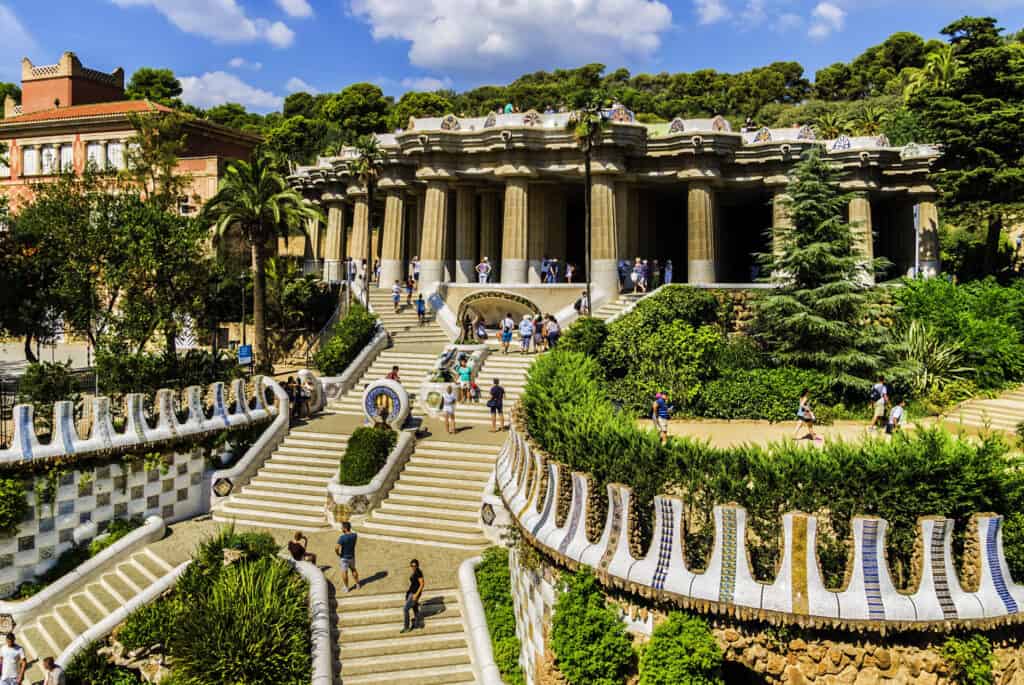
(868, 600)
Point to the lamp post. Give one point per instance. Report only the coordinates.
(241, 279)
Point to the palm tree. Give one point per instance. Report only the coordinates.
(870, 120)
(367, 168)
(587, 125)
(829, 125)
(255, 196)
(941, 68)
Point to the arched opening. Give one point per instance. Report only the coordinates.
(492, 305)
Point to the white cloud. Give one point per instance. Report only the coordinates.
(17, 42)
(426, 83)
(827, 18)
(500, 36)
(711, 11)
(788, 21)
(295, 8)
(297, 85)
(243, 63)
(220, 20)
(218, 87)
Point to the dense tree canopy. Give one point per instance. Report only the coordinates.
(158, 85)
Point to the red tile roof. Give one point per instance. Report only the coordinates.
(100, 109)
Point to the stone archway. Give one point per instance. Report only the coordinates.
(492, 305)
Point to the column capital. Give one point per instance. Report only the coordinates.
(515, 170)
(435, 173)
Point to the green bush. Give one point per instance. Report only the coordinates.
(43, 384)
(118, 529)
(349, 337)
(682, 651)
(970, 660)
(589, 641)
(495, 587)
(147, 625)
(366, 454)
(586, 335)
(14, 505)
(121, 371)
(983, 318)
(768, 394)
(568, 412)
(252, 626)
(91, 668)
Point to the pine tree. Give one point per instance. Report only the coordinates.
(816, 317)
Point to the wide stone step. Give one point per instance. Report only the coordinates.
(156, 566)
(328, 461)
(437, 597)
(390, 612)
(299, 440)
(102, 598)
(266, 483)
(453, 465)
(404, 644)
(273, 494)
(432, 443)
(312, 456)
(282, 507)
(427, 521)
(419, 469)
(230, 511)
(117, 587)
(35, 644)
(54, 632)
(462, 515)
(70, 620)
(415, 660)
(90, 612)
(422, 534)
(441, 481)
(314, 435)
(286, 474)
(432, 501)
(443, 675)
(467, 453)
(437, 625)
(134, 577)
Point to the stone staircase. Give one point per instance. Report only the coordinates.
(1002, 413)
(511, 370)
(616, 305)
(404, 327)
(289, 489)
(412, 368)
(436, 500)
(51, 633)
(375, 652)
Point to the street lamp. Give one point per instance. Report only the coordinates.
(241, 278)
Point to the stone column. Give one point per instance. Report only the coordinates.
(700, 234)
(466, 250)
(536, 233)
(490, 232)
(360, 224)
(435, 225)
(604, 242)
(391, 266)
(781, 218)
(332, 249)
(860, 221)
(928, 240)
(514, 230)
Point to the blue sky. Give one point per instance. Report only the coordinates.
(257, 51)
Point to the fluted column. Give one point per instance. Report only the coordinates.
(700, 234)
(604, 245)
(435, 229)
(860, 221)
(466, 248)
(781, 219)
(536, 233)
(622, 227)
(928, 241)
(332, 246)
(490, 232)
(360, 224)
(391, 267)
(514, 230)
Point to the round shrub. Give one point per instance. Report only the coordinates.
(13, 505)
(366, 454)
(682, 651)
(251, 627)
(588, 639)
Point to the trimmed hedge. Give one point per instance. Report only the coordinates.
(348, 339)
(682, 651)
(495, 586)
(768, 394)
(366, 454)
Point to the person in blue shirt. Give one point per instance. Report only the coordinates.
(526, 333)
(346, 551)
(659, 414)
(668, 272)
(421, 309)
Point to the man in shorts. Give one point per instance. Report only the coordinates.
(880, 400)
(346, 551)
(526, 333)
(12, 662)
(396, 296)
(659, 414)
(507, 326)
(495, 404)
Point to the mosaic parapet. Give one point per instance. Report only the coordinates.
(206, 413)
(868, 600)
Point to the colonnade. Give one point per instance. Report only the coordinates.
(451, 226)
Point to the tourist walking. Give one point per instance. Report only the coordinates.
(805, 416)
(538, 334)
(570, 271)
(526, 333)
(346, 551)
(12, 662)
(659, 414)
(496, 405)
(297, 548)
(655, 274)
(412, 598)
(54, 673)
(896, 418)
(467, 329)
(410, 285)
(554, 331)
(421, 309)
(483, 271)
(879, 398)
(584, 301)
(507, 326)
(448, 400)
(481, 330)
(637, 276)
(414, 269)
(396, 296)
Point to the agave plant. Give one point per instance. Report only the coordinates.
(925, 360)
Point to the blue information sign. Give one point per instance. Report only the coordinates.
(244, 355)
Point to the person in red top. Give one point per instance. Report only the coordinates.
(393, 375)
